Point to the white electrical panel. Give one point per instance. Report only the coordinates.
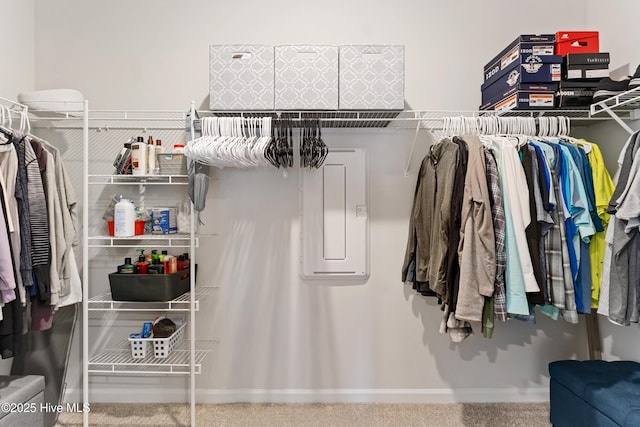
(334, 218)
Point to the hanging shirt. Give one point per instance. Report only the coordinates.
(603, 300)
(519, 277)
(22, 198)
(497, 213)
(39, 223)
(603, 190)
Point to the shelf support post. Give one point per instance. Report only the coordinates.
(85, 261)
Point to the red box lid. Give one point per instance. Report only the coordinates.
(577, 42)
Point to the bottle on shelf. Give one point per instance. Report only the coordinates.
(187, 262)
(139, 157)
(178, 148)
(171, 264)
(159, 148)
(141, 265)
(156, 267)
(127, 267)
(163, 259)
(181, 263)
(124, 218)
(152, 164)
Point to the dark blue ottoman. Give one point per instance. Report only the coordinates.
(595, 393)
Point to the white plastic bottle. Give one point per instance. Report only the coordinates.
(152, 168)
(124, 219)
(139, 157)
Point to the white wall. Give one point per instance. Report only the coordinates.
(18, 44)
(619, 35)
(279, 333)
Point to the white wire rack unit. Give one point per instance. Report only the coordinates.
(621, 107)
(187, 359)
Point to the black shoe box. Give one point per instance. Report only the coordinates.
(585, 66)
(578, 93)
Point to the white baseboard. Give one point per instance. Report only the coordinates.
(165, 395)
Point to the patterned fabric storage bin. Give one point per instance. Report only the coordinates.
(241, 77)
(306, 77)
(372, 77)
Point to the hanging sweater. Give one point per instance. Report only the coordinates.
(477, 239)
(429, 223)
(9, 172)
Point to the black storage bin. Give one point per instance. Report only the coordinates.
(149, 287)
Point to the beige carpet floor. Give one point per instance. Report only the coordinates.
(317, 415)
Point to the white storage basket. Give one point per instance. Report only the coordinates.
(139, 347)
(162, 347)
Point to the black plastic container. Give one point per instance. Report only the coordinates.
(149, 287)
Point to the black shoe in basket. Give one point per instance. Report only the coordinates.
(607, 88)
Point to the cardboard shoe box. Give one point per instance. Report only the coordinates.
(524, 100)
(518, 50)
(586, 66)
(527, 75)
(577, 42)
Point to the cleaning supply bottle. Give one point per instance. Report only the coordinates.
(127, 267)
(156, 267)
(141, 265)
(163, 260)
(159, 148)
(152, 165)
(139, 157)
(124, 218)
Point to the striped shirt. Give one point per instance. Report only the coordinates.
(497, 213)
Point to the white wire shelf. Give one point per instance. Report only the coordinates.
(622, 107)
(104, 302)
(628, 100)
(178, 240)
(134, 179)
(425, 119)
(118, 360)
(103, 120)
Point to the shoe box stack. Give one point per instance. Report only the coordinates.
(524, 75)
(583, 67)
